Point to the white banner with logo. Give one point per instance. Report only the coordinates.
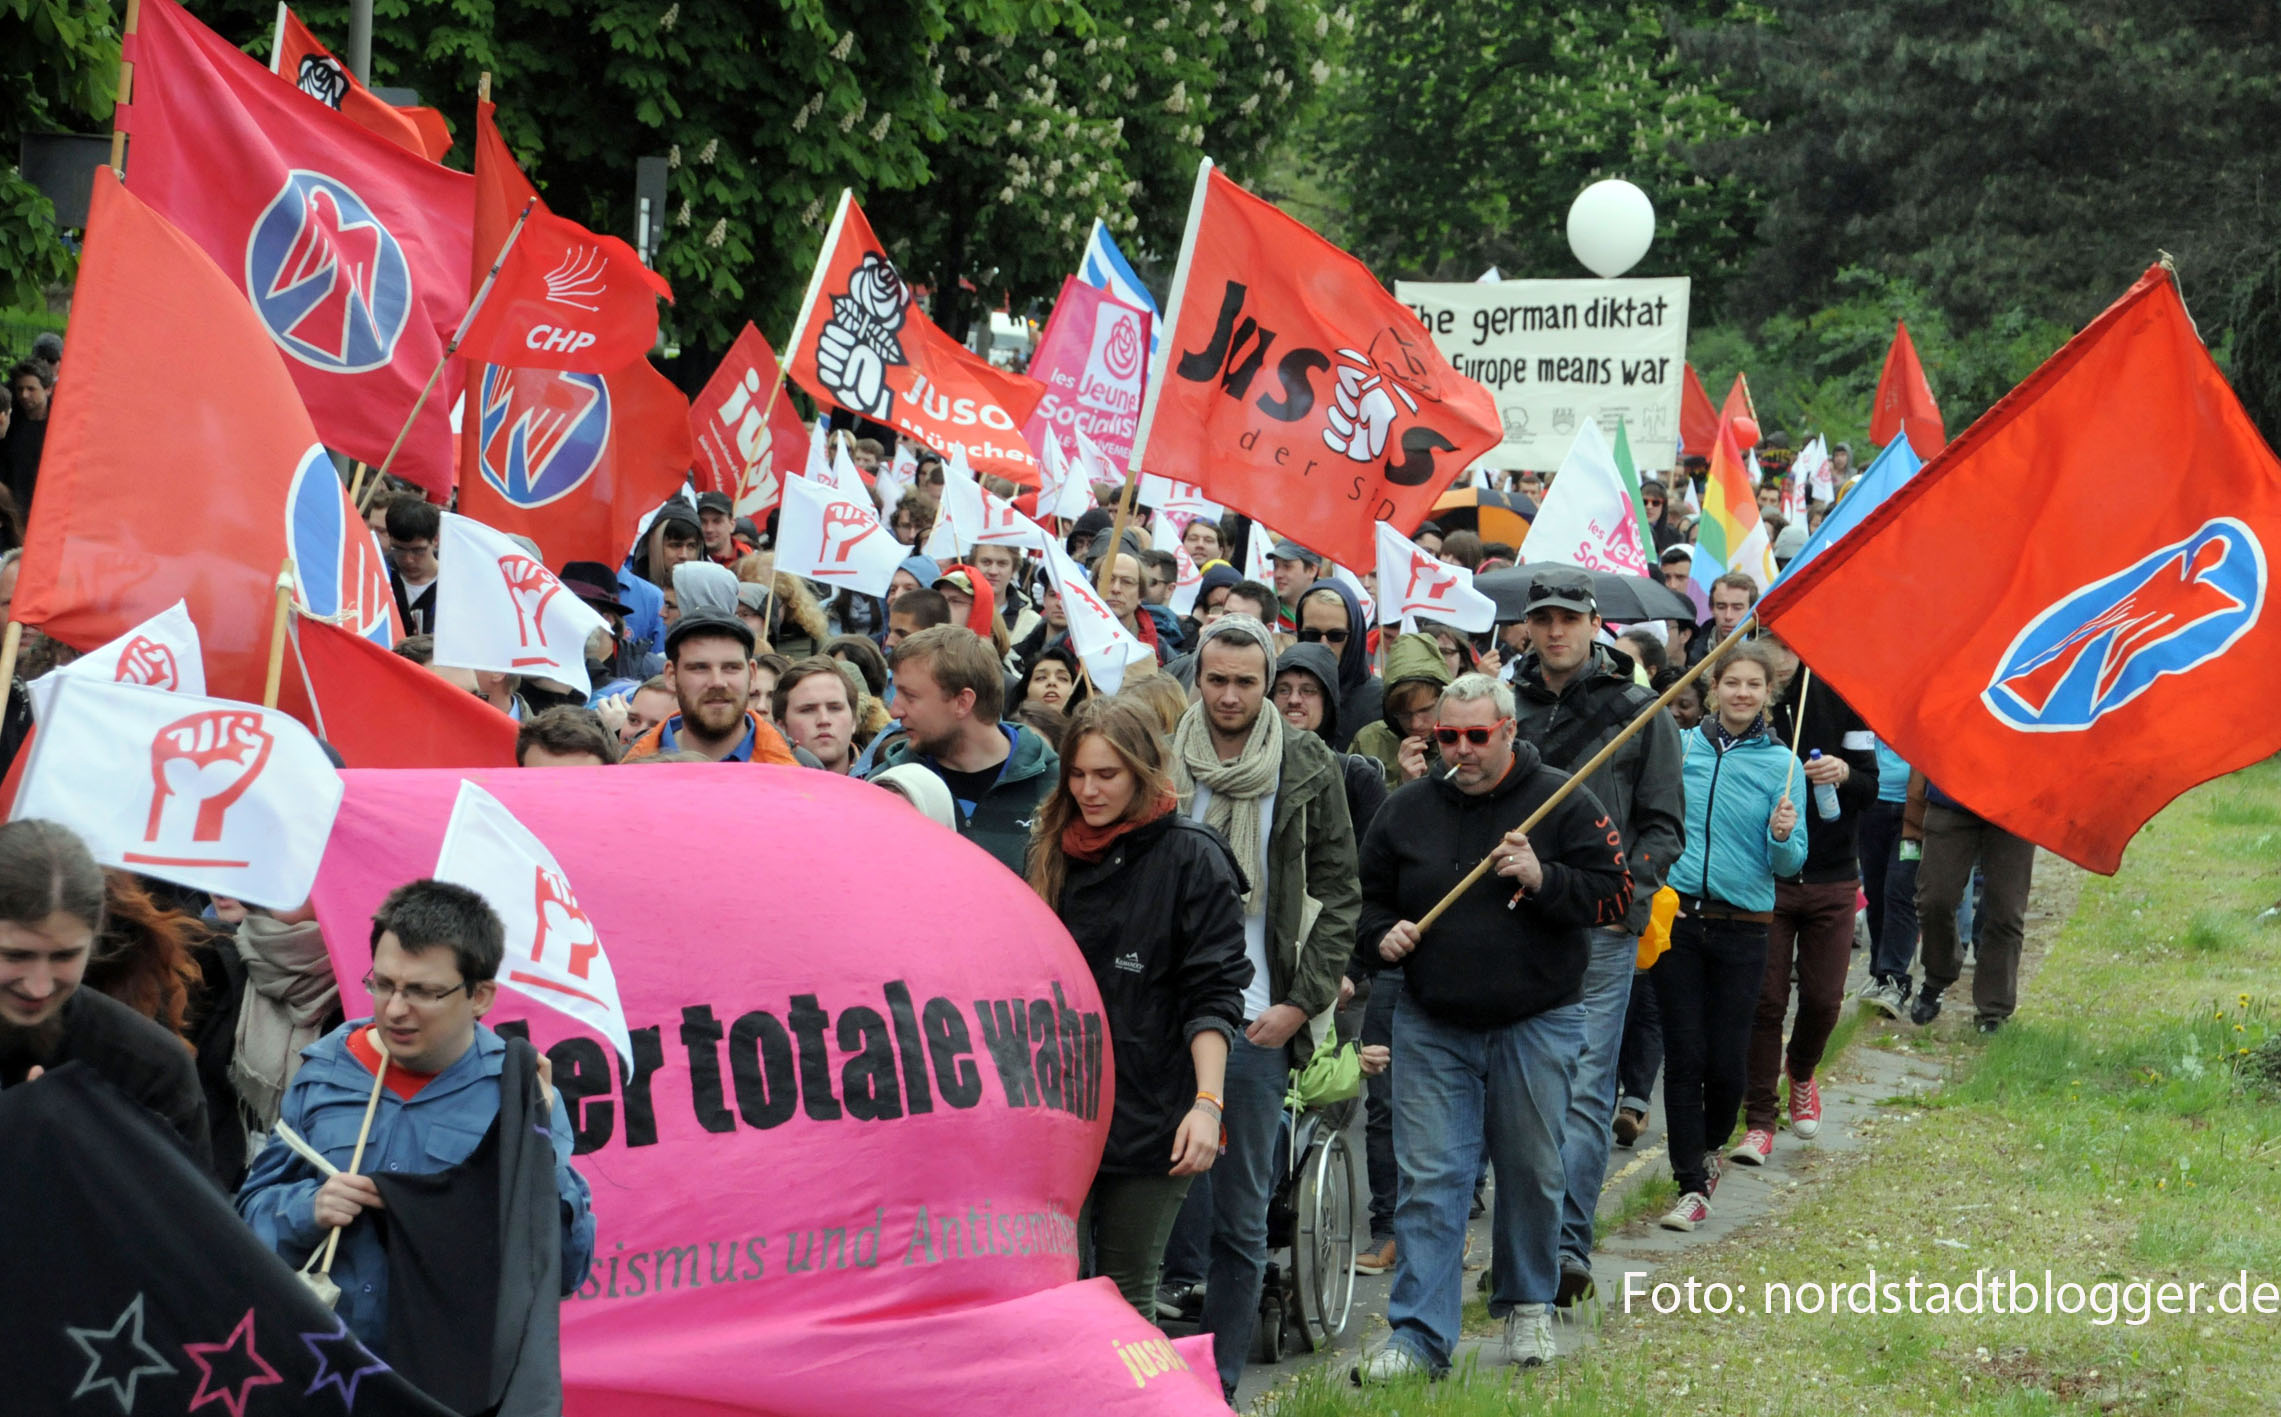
(1557, 354)
(162, 652)
(500, 609)
(835, 539)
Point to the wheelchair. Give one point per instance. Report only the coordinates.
(1308, 1294)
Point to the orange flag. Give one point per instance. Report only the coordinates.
(1293, 388)
(299, 58)
(1698, 421)
(1905, 401)
(863, 344)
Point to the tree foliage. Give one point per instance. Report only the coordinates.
(1457, 135)
(59, 73)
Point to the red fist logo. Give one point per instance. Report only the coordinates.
(146, 661)
(561, 920)
(530, 586)
(208, 761)
(845, 524)
(1435, 577)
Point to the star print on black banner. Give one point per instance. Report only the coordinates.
(135, 1289)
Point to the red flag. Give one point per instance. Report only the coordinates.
(435, 133)
(353, 252)
(1738, 405)
(749, 436)
(380, 710)
(297, 57)
(569, 458)
(864, 345)
(246, 482)
(1905, 401)
(2087, 669)
(565, 298)
(1294, 389)
(1698, 421)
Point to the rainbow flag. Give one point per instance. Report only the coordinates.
(1730, 537)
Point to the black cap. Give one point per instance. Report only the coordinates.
(716, 502)
(592, 582)
(1293, 551)
(726, 625)
(676, 510)
(1562, 588)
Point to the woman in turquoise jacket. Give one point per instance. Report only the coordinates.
(1742, 832)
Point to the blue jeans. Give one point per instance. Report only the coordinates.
(1460, 1090)
(1592, 1088)
(1242, 1181)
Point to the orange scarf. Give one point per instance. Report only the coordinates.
(1090, 843)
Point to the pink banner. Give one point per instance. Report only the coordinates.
(1093, 361)
(872, 1080)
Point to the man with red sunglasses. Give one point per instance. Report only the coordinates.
(1491, 1018)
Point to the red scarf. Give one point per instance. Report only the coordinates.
(1090, 843)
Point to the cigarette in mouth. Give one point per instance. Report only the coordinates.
(1453, 767)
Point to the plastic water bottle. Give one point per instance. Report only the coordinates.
(1825, 793)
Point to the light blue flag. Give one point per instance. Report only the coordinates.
(1893, 466)
(1105, 268)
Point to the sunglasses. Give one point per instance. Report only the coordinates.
(1478, 737)
(1336, 637)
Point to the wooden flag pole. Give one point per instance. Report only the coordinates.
(277, 635)
(1117, 536)
(1597, 761)
(363, 1134)
(126, 93)
(1797, 730)
(450, 348)
(10, 644)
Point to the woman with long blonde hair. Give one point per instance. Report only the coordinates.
(1154, 900)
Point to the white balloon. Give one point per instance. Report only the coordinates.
(1610, 226)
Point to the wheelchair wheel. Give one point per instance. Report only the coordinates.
(1323, 1244)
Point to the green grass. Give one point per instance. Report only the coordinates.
(2125, 1126)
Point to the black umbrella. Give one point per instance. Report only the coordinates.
(1623, 599)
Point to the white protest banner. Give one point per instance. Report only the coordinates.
(1256, 566)
(1557, 354)
(1106, 647)
(1413, 584)
(504, 611)
(972, 515)
(1065, 493)
(228, 798)
(552, 953)
(1187, 583)
(831, 538)
(162, 652)
(1184, 499)
(1587, 518)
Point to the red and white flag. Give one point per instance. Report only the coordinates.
(1184, 499)
(553, 955)
(972, 515)
(835, 539)
(220, 796)
(380, 710)
(1065, 492)
(564, 297)
(353, 252)
(1295, 388)
(1362, 595)
(1106, 647)
(1188, 583)
(300, 59)
(863, 344)
(749, 436)
(1414, 584)
(505, 611)
(162, 652)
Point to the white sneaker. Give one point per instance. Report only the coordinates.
(1692, 1210)
(1390, 1364)
(1528, 1337)
(1882, 995)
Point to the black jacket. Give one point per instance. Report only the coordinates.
(138, 1057)
(1833, 727)
(1160, 919)
(1365, 779)
(1483, 965)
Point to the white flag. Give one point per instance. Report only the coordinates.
(1413, 583)
(1106, 647)
(834, 539)
(1099, 471)
(1812, 470)
(958, 522)
(1362, 596)
(229, 798)
(1256, 566)
(162, 652)
(1179, 498)
(889, 483)
(1188, 583)
(504, 611)
(1586, 519)
(552, 954)
(1064, 491)
(819, 452)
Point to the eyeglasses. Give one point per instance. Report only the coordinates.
(419, 996)
(1336, 637)
(1478, 737)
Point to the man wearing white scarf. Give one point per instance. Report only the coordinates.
(1279, 797)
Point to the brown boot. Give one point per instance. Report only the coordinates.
(1628, 1125)
(1377, 1261)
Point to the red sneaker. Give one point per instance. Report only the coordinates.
(1691, 1211)
(1756, 1147)
(1805, 1108)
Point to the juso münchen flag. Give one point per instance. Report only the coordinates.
(229, 798)
(1295, 390)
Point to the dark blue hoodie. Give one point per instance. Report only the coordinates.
(1361, 695)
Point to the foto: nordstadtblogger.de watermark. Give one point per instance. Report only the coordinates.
(2104, 1301)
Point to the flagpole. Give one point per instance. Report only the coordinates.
(791, 349)
(1116, 536)
(450, 348)
(277, 635)
(1798, 729)
(10, 643)
(1599, 759)
(1163, 357)
(118, 111)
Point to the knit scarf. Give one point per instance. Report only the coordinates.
(1082, 842)
(1236, 787)
(289, 991)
